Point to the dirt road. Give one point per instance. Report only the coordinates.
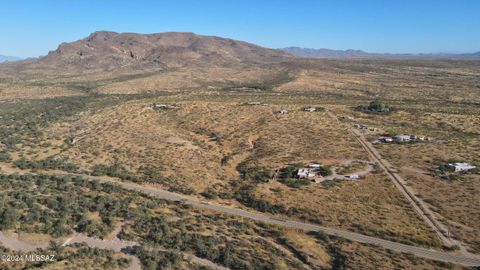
(420, 207)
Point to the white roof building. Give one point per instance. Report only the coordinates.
(402, 138)
(306, 173)
(310, 109)
(461, 166)
(421, 138)
(385, 139)
(314, 165)
(162, 106)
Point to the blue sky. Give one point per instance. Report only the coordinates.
(32, 28)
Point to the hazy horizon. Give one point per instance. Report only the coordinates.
(32, 29)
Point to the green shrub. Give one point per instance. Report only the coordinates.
(5, 157)
(49, 163)
(325, 171)
(296, 183)
(375, 106)
(257, 174)
(114, 170)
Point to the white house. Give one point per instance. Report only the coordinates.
(306, 173)
(402, 138)
(353, 176)
(461, 166)
(385, 139)
(421, 138)
(162, 106)
(310, 109)
(159, 106)
(283, 111)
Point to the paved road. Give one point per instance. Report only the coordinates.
(421, 252)
(418, 251)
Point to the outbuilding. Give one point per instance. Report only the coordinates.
(306, 173)
(402, 138)
(385, 139)
(461, 166)
(162, 106)
(353, 176)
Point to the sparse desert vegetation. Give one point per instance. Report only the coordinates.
(235, 134)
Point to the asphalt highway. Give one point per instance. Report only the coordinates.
(418, 251)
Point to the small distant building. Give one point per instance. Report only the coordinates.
(311, 172)
(310, 109)
(306, 173)
(385, 139)
(255, 103)
(421, 138)
(282, 111)
(461, 166)
(314, 165)
(360, 126)
(402, 138)
(353, 176)
(162, 106)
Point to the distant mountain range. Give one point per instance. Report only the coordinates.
(105, 50)
(4, 58)
(348, 54)
(111, 50)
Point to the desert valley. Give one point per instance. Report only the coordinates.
(182, 151)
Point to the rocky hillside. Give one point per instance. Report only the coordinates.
(110, 50)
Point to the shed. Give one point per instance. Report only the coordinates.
(461, 166)
(402, 138)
